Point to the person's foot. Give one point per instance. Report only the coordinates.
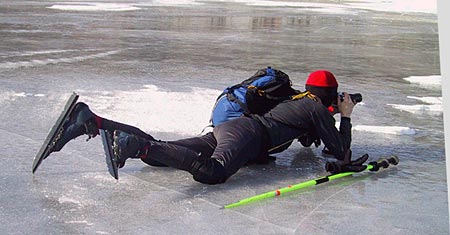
(81, 121)
(127, 146)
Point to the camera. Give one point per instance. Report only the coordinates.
(356, 98)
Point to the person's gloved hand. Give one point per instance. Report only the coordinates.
(347, 165)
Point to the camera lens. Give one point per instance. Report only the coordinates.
(356, 98)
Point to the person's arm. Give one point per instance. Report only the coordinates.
(338, 142)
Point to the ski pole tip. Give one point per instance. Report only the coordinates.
(394, 160)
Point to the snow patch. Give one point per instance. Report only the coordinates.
(158, 110)
(170, 3)
(95, 7)
(391, 130)
(433, 106)
(40, 62)
(415, 6)
(101, 232)
(306, 6)
(9, 96)
(345, 7)
(402, 6)
(32, 53)
(428, 100)
(435, 109)
(79, 222)
(425, 81)
(64, 199)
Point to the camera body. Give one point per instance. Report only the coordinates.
(356, 98)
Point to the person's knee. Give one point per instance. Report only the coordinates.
(209, 171)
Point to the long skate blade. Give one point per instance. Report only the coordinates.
(44, 151)
(107, 146)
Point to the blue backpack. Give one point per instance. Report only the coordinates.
(256, 95)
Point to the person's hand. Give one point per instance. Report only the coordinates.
(347, 165)
(346, 105)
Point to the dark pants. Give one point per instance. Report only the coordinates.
(216, 156)
(211, 158)
(112, 126)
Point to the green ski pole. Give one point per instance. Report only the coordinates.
(373, 166)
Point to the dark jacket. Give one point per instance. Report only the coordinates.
(309, 120)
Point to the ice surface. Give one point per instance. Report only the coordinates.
(169, 65)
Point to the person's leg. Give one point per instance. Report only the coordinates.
(177, 154)
(203, 168)
(203, 145)
(83, 121)
(111, 126)
(238, 142)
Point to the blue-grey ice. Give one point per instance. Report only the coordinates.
(159, 65)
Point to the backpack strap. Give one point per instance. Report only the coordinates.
(306, 94)
(269, 97)
(233, 98)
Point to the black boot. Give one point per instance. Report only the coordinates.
(128, 146)
(81, 121)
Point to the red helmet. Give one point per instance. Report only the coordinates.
(323, 84)
(322, 78)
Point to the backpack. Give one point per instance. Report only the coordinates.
(256, 95)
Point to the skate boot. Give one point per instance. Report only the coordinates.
(81, 121)
(128, 146)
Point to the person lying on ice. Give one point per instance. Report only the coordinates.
(216, 156)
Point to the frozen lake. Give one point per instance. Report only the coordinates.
(159, 65)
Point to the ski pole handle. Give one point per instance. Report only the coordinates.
(393, 160)
(384, 162)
